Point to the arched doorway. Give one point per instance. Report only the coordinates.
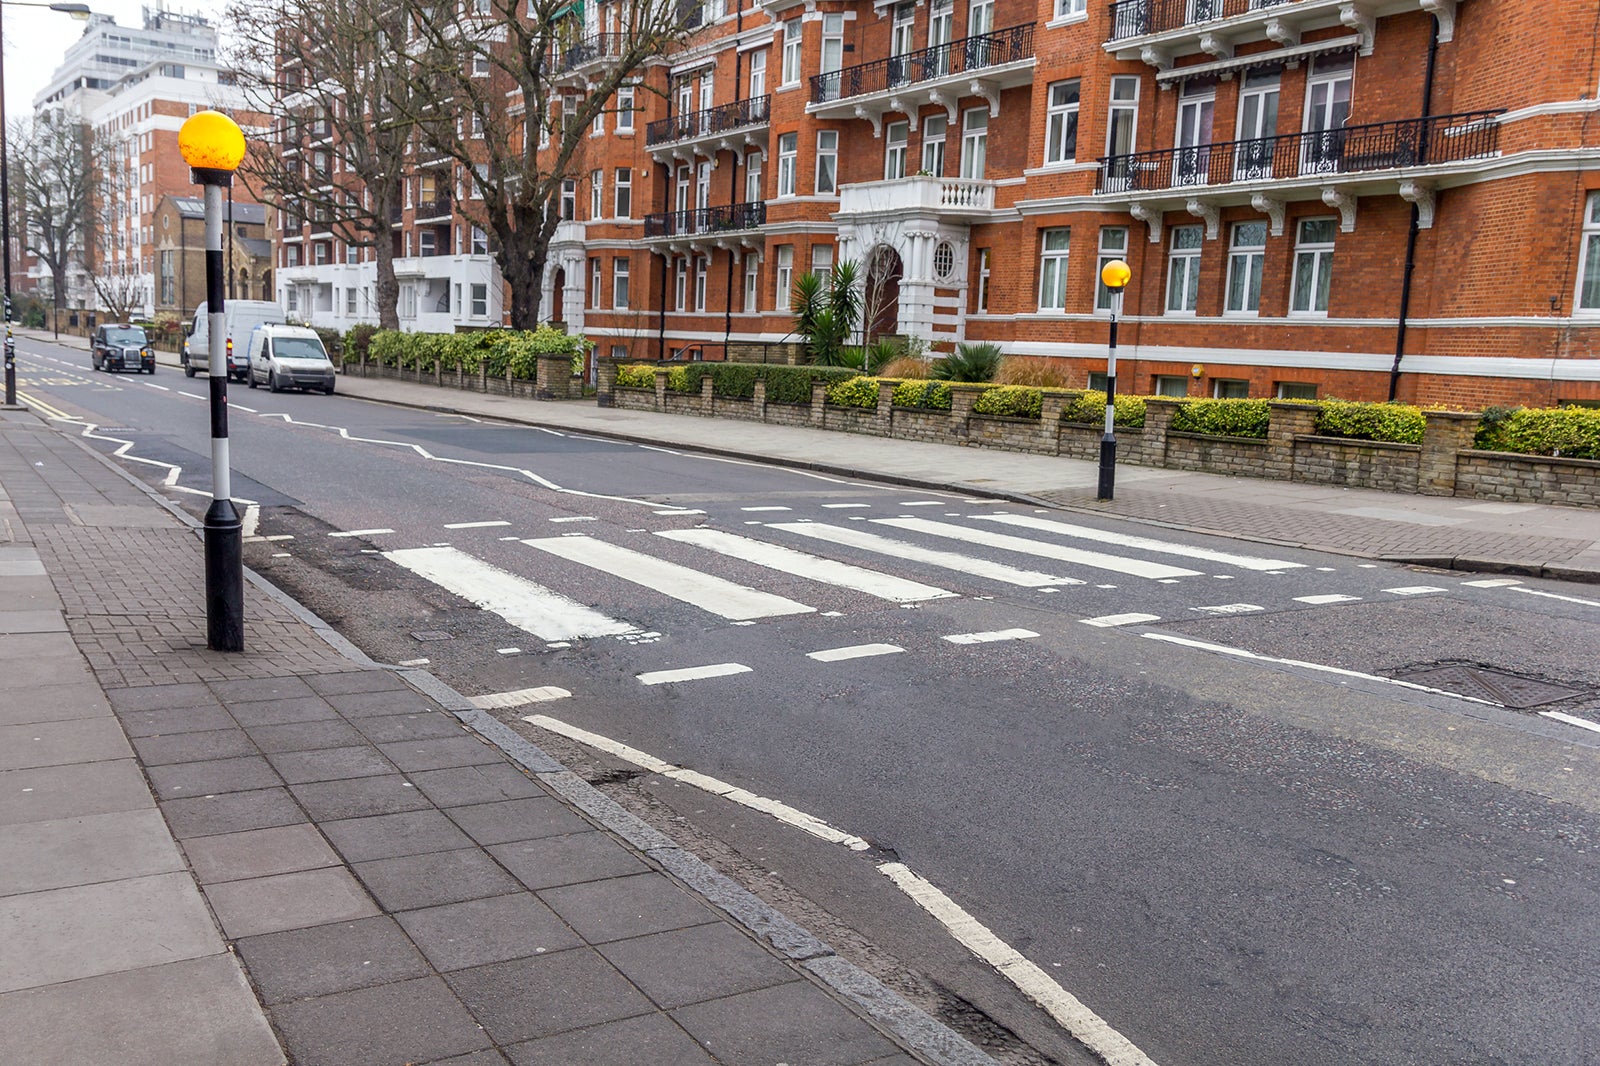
(557, 298)
(880, 303)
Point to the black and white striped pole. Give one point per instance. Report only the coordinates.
(1114, 276)
(213, 146)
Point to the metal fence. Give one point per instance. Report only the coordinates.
(724, 218)
(957, 57)
(721, 119)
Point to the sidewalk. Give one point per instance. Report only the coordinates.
(291, 854)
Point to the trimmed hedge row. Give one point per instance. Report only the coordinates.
(496, 350)
(1223, 418)
(1398, 422)
(737, 381)
(1564, 432)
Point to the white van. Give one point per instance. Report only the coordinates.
(288, 357)
(241, 316)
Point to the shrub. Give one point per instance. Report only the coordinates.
(905, 366)
(736, 381)
(1091, 407)
(792, 384)
(1224, 418)
(1398, 422)
(854, 392)
(1569, 432)
(356, 340)
(969, 362)
(385, 347)
(930, 395)
(636, 376)
(1014, 401)
(1037, 370)
(678, 379)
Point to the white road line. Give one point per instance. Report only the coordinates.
(723, 598)
(859, 651)
(239, 407)
(1230, 608)
(922, 503)
(1581, 723)
(412, 662)
(914, 553)
(1060, 552)
(679, 511)
(1554, 596)
(691, 673)
(776, 808)
(1492, 583)
(843, 506)
(991, 637)
(192, 395)
(531, 608)
(1122, 540)
(153, 385)
(766, 508)
(361, 533)
(1333, 597)
(1413, 590)
(251, 520)
(476, 525)
(490, 701)
(811, 567)
(1063, 1006)
(575, 518)
(1105, 621)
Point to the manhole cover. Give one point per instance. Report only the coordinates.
(431, 634)
(1496, 686)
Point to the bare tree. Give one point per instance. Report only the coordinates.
(112, 239)
(56, 174)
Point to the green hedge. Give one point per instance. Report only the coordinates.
(1224, 418)
(792, 384)
(498, 351)
(1091, 407)
(923, 393)
(1568, 432)
(859, 392)
(635, 376)
(1397, 422)
(1014, 401)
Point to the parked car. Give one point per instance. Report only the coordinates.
(288, 357)
(241, 316)
(122, 347)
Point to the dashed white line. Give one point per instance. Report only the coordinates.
(766, 508)
(692, 673)
(1332, 597)
(1581, 723)
(922, 503)
(844, 506)
(1108, 620)
(490, 701)
(476, 525)
(991, 637)
(1554, 596)
(1229, 608)
(412, 662)
(361, 533)
(859, 651)
(575, 518)
(679, 511)
(1492, 583)
(1413, 590)
(153, 385)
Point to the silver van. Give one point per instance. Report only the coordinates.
(288, 357)
(241, 316)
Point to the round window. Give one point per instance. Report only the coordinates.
(944, 261)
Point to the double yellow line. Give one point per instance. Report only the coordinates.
(49, 409)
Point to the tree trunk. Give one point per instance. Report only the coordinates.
(385, 289)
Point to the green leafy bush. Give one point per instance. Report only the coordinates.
(855, 392)
(792, 384)
(970, 362)
(1014, 401)
(1397, 422)
(385, 347)
(1224, 418)
(678, 379)
(636, 377)
(735, 381)
(1091, 407)
(923, 393)
(1570, 432)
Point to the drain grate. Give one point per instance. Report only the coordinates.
(432, 634)
(1497, 686)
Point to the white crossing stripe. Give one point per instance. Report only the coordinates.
(497, 700)
(1230, 608)
(692, 673)
(720, 597)
(575, 518)
(475, 525)
(859, 651)
(915, 553)
(842, 506)
(1330, 598)
(1117, 563)
(1107, 620)
(531, 608)
(766, 508)
(361, 533)
(1123, 540)
(803, 564)
(1413, 590)
(991, 637)
(1554, 596)
(1492, 583)
(1581, 723)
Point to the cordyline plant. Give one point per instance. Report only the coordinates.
(827, 313)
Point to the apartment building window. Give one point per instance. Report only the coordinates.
(320, 253)
(1230, 389)
(350, 301)
(1296, 390)
(680, 283)
(597, 182)
(1247, 252)
(983, 281)
(827, 161)
(569, 199)
(1113, 245)
(622, 195)
(785, 276)
(291, 256)
(933, 130)
(1328, 89)
(752, 281)
(1313, 266)
(1053, 246)
(822, 261)
(619, 283)
(1169, 385)
(1061, 123)
(974, 142)
(894, 150)
(480, 241)
(594, 281)
(702, 267)
(791, 52)
(1258, 125)
(1183, 270)
(1070, 8)
(980, 18)
(169, 281)
(291, 299)
(832, 43)
(758, 74)
(752, 178)
(480, 300)
(427, 244)
(1589, 257)
(480, 66)
(625, 109)
(788, 148)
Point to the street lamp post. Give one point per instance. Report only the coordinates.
(213, 146)
(1114, 276)
(77, 11)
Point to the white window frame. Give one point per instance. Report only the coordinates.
(569, 198)
(793, 35)
(895, 137)
(752, 282)
(822, 261)
(758, 74)
(595, 276)
(1061, 122)
(933, 144)
(753, 192)
(1245, 261)
(1319, 256)
(680, 283)
(974, 143)
(827, 179)
(1071, 9)
(1113, 245)
(1055, 244)
(622, 192)
(783, 280)
(1183, 269)
(480, 241)
(788, 156)
(1586, 295)
(597, 185)
(480, 300)
(832, 58)
(984, 259)
(625, 109)
(619, 283)
(702, 273)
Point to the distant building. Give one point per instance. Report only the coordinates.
(179, 247)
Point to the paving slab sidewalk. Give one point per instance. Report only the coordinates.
(293, 855)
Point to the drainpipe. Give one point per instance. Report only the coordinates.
(661, 311)
(1411, 234)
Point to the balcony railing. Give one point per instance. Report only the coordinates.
(1135, 18)
(594, 47)
(921, 193)
(724, 118)
(724, 218)
(958, 57)
(433, 208)
(1410, 142)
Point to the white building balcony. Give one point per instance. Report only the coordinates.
(920, 196)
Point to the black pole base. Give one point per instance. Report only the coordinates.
(224, 577)
(11, 385)
(1108, 467)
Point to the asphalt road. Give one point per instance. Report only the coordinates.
(1176, 773)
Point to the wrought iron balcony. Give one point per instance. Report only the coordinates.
(1413, 142)
(1135, 18)
(438, 208)
(929, 64)
(593, 48)
(707, 221)
(725, 118)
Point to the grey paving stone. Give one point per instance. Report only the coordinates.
(686, 966)
(533, 997)
(68, 933)
(433, 878)
(193, 747)
(281, 712)
(356, 681)
(261, 688)
(28, 701)
(480, 1058)
(58, 743)
(795, 1022)
(469, 785)
(182, 780)
(388, 836)
(126, 701)
(387, 702)
(48, 621)
(393, 728)
(566, 860)
(480, 931)
(85, 850)
(523, 819)
(301, 963)
(198, 1012)
(305, 736)
(175, 720)
(626, 907)
(404, 1022)
(52, 792)
(436, 754)
(330, 764)
(231, 812)
(652, 1038)
(288, 901)
(258, 853)
(359, 797)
